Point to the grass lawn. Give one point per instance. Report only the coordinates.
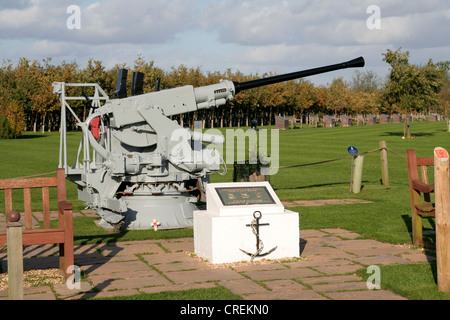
(386, 219)
(413, 281)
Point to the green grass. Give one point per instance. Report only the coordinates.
(387, 219)
(413, 281)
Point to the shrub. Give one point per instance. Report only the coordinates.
(6, 132)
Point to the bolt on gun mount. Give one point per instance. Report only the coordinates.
(145, 166)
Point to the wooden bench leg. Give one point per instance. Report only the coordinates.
(417, 229)
(62, 264)
(68, 244)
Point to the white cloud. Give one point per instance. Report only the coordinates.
(250, 35)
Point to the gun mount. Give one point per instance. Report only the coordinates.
(137, 164)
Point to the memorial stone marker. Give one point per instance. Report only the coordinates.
(245, 221)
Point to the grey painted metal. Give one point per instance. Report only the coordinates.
(134, 164)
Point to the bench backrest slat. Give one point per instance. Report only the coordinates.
(27, 208)
(8, 200)
(28, 183)
(46, 207)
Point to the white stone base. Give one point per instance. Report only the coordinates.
(219, 239)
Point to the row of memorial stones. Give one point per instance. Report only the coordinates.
(327, 121)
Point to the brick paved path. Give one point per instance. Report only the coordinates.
(326, 270)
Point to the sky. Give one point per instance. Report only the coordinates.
(252, 36)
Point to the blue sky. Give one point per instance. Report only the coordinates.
(253, 36)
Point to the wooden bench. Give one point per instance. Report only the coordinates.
(62, 234)
(421, 190)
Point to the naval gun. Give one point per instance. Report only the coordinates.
(135, 166)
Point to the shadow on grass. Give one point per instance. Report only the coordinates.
(414, 134)
(31, 136)
(429, 235)
(132, 235)
(315, 186)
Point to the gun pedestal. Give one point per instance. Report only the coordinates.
(245, 221)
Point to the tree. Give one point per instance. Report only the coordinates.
(411, 88)
(365, 81)
(338, 98)
(445, 95)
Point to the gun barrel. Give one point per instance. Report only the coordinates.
(240, 86)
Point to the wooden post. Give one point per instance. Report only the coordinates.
(384, 164)
(357, 173)
(441, 182)
(15, 256)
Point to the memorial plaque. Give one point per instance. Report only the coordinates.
(238, 196)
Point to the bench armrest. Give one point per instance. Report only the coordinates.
(422, 187)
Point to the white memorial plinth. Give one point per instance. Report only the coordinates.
(224, 230)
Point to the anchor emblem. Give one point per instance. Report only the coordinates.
(259, 244)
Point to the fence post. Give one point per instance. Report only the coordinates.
(15, 256)
(357, 173)
(384, 164)
(441, 181)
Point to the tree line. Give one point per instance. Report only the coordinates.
(27, 101)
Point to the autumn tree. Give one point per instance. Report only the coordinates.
(11, 111)
(299, 96)
(411, 88)
(338, 97)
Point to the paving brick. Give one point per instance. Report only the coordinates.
(131, 248)
(181, 266)
(330, 279)
(326, 240)
(364, 295)
(40, 296)
(286, 284)
(242, 286)
(118, 268)
(340, 269)
(362, 244)
(38, 293)
(342, 233)
(281, 274)
(339, 286)
(178, 287)
(203, 275)
(385, 259)
(367, 252)
(63, 291)
(131, 283)
(259, 267)
(286, 295)
(321, 260)
(317, 248)
(157, 259)
(179, 245)
(108, 294)
(312, 233)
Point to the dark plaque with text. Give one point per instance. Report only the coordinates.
(239, 196)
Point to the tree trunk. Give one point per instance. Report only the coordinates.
(406, 127)
(35, 123)
(43, 123)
